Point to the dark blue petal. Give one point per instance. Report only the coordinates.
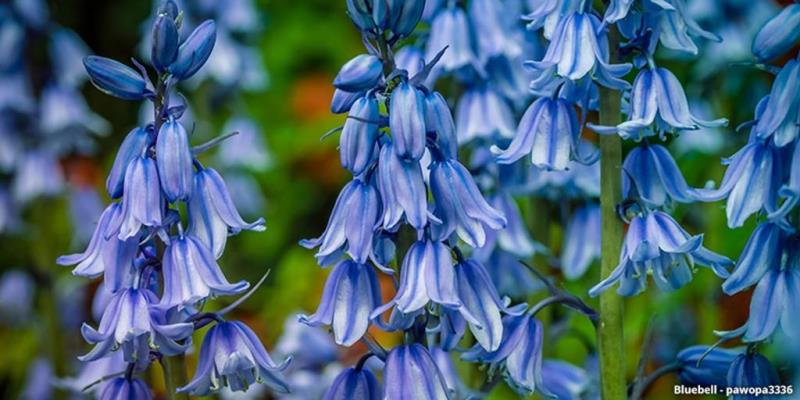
(360, 73)
(357, 141)
(705, 366)
(779, 34)
(406, 16)
(761, 253)
(342, 101)
(122, 388)
(165, 42)
(751, 370)
(115, 79)
(194, 51)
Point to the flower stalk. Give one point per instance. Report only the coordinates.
(609, 330)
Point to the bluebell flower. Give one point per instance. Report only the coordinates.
(546, 14)
(777, 114)
(142, 204)
(350, 295)
(116, 79)
(410, 373)
(520, 351)
(450, 28)
(165, 41)
(676, 28)
(705, 366)
(124, 388)
(439, 120)
(751, 370)
(617, 10)
(775, 299)
(656, 243)
(212, 214)
(657, 97)
(761, 253)
(359, 135)
(407, 121)
(483, 114)
(478, 296)
(427, 275)
(578, 48)
(351, 224)
(581, 246)
(342, 101)
(191, 274)
(174, 161)
(361, 73)
(651, 174)
(564, 380)
(233, 356)
(779, 34)
(750, 183)
(105, 253)
(399, 16)
(402, 189)
(354, 384)
(460, 205)
(131, 323)
(194, 51)
(548, 131)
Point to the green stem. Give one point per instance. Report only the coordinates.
(174, 376)
(609, 332)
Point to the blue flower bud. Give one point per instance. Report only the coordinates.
(342, 101)
(357, 141)
(233, 356)
(122, 388)
(360, 73)
(133, 145)
(407, 121)
(359, 12)
(411, 373)
(194, 52)
(402, 189)
(702, 365)
(165, 42)
(779, 34)
(460, 205)
(408, 14)
(351, 293)
(354, 384)
(174, 160)
(115, 79)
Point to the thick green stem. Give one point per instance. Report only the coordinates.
(174, 376)
(609, 332)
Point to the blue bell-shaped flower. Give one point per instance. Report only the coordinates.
(354, 384)
(411, 373)
(194, 51)
(124, 388)
(360, 132)
(134, 144)
(115, 79)
(407, 121)
(174, 160)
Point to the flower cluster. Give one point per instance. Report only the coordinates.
(763, 179)
(413, 208)
(156, 274)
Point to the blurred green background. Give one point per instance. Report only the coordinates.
(303, 44)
